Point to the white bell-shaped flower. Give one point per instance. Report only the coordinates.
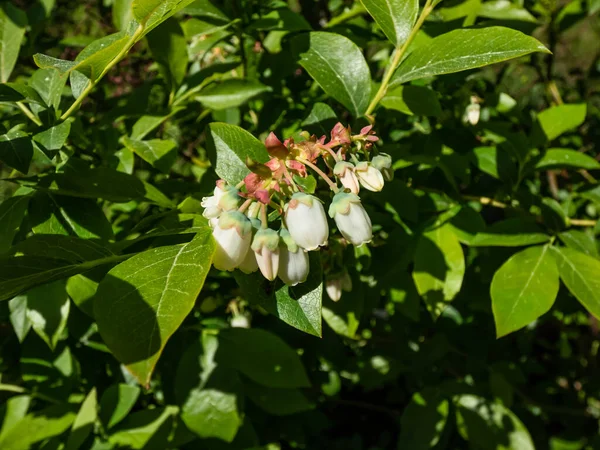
(351, 218)
(333, 287)
(383, 163)
(233, 235)
(370, 178)
(266, 248)
(293, 260)
(345, 172)
(306, 221)
(249, 264)
(211, 204)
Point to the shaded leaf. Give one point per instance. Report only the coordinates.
(279, 402)
(116, 402)
(169, 49)
(564, 157)
(12, 211)
(157, 152)
(16, 150)
(84, 422)
(12, 30)
(423, 420)
(411, 100)
(230, 93)
(515, 232)
(48, 310)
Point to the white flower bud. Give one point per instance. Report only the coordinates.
(351, 218)
(211, 203)
(306, 221)
(233, 235)
(333, 287)
(369, 176)
(240, 321)
(293, 261)
(266, 248)
(345, 172)
(383, 163)
(253, 209)
(249, 264)
(472, 113)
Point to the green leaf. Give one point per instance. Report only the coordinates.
(142, 302)
(12, 212)
(338, 65)
(145, 429)
(81, 290)
(298, 306)
(523, 289)
(69, 256)
(343, 316)
(395, 17)
(15, 409)
(229, 146)
(490, 426)
(230, 93)
(84, 422)
(16, 150)
(559, 119)
(206, 9)
(47, 311)
(146, 124)
(321, 119)
(496, 162)
(38, 426)
(516, 232)
(465, 49)
(122, 14)
(53, 138)
(209, 394)
(169, 49)
(563, 157)
(84, 216)
(505, 10)
(278, 402)
(439, 268)
(580, 241)
(151, 13)
(261, 356)
(49, 84)
(157, 152)
(423, 420)
(13, 22)
(581, 274)
(18, 92)
(18, 316)
(100, 182)
(411, 100)
(116, 402)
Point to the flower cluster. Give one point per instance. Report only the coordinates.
(270, 220)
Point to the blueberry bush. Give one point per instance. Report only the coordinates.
(313, 224)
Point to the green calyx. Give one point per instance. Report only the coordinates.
(341, 167)
(231, 219)
(287, 239)
(341, 203)
(265, 238)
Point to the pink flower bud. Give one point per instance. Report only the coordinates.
(369, 176)
(345, 172)
(306, 221)
(351, 218)
(233, 235)
(266, 248)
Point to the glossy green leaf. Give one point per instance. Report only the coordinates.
(15, 409)
(262, 356)
(169, 49)
(13, 22)
(81, 290)
(116, 402)
(496, 162)
(298, 306)
(53, 138)
(206, 9)
(230, 93)
(580, 241)
(49, 85)
(417, 100)
(38, 426)
(229, 146)
(142, 302)
(101, 182)
(523, 289)
(505, 10)
(48, 310)
(16, 150)
(465, 49)
(157, 152)
(278, 402)
(149, 428)
(581, 274)
(151, 13)
(395, 17)
(515, 232)
(84, 422)
(564, 157)
(439, 268)
(490, 426)
(559, 119)
(12, 211)
(423, 420)
(338, 65)
(122, 14)
(209, 393)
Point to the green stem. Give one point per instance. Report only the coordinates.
(322, 174)
(397, 58)
(130, 43)
(29, 114)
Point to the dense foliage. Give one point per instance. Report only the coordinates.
(468, 320)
